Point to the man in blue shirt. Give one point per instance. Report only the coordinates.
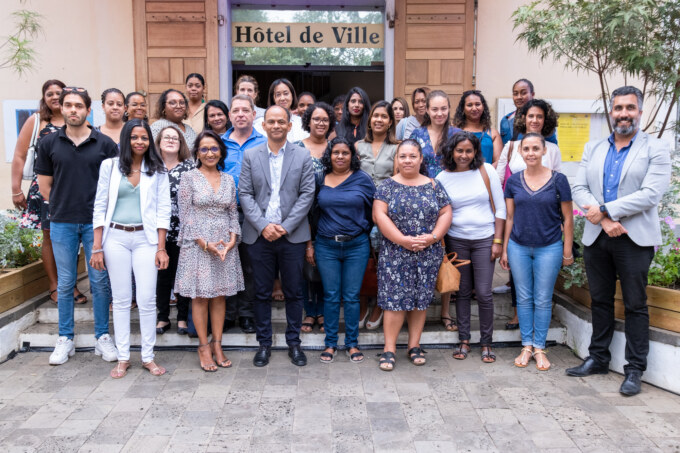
(238, 139)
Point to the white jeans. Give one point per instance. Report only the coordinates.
(125, 252)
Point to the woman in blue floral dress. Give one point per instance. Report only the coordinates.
(413, 213)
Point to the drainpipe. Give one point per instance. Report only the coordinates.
(474, 48)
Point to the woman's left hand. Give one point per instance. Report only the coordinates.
(567, 262)
(309, 256)
(496, 251)
(162, 260)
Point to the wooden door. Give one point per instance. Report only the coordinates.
(174, 38)
(433, 46)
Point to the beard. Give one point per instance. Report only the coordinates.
(75, 122)
(625, 130)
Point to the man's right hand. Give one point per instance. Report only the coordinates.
(612, 228)
(271, 233)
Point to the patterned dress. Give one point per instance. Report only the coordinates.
(175, 176)
(207, 215)
(406, 279)
(433, 160)
(317, 165)
(36, 215)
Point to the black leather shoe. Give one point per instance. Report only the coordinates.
(228, 324)
(247, 324)
(631, 384)
(162, 330)
(588, 367)
(262, 356)
(297, 356)
(182, 331)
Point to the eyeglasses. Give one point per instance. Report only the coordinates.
(167, 138)
(176, 103)
(212, 149)
(321, 120)
(76, 89)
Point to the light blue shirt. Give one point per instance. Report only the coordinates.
(273, 212)
(613, 165)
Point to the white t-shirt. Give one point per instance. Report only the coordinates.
(552, 159)
(296, 132)
(472, 215)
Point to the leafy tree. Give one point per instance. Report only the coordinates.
(16, 49)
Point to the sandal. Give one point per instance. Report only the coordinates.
(463, 351)
(308, 326)
(320, 324)
(356, 357)
(79, 298)
(487, 354)
(207, 367)
(226, 363)
(449, 323)
(120, 370)
(521, 363)
(154, 369)
(415, 354)
(387, 360)
(49, 294)
(328, 357)
(544, 353)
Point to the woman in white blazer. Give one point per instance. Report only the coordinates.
(131, 219)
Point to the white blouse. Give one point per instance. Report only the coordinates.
(552, 159)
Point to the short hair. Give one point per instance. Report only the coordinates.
(184, 152)
(43, 109)
(390, 138)
(411, 142)
(625, 91)
(163, 98)
(152, 158)
(549, 115)
(402, 101)
(355, 163)
(249, 79)
(195, 75)
(65, 91)
(459, 118)
(339, 100)
(243, 97)
(275, 106)
(423, 90)
(307, 116)
(528, 82)
(112, 90)
(217, 104)
(307, 93)
(197, 144)
(449, 147)
(273, 86)
(531, 135)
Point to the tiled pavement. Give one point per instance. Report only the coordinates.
(446, 405)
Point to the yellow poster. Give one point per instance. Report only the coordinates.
(573, 132)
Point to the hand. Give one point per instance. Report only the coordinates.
(428, 238)
(230, 245)
(282, 231)
(19, 201)
(162, 260)
(613, 229)
(593, 214)
(504, 261)
(568, 262)
(271, 233)
(217, 249)
(97, 261)
(496, 251)
(414, 243)
(309, 255)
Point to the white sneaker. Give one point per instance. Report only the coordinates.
(62, 351)
(503, 289)
(105, 348)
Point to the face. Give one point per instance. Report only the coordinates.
(114, 106)
(136, 108)
(532, 151)
(52, 97)
(74, 110)
(217, 119)
(139, 141)
(625, 114)
(175, 107)
(304, 102)
(341, 157)
(276, 124)
(248, 89)
(521, 94)
(169, 141)
(194, 89)
(473, 107)
(380, 121)
(438, 110)
(209, 152)
(319, 123)
(356, 105)
(463, 155)
(535, 120)
(420, 104)
(409, 160)
(398, 110)
(283, 96)
(337, 110)
(241, 115)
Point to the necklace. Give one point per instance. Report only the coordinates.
(136, 171)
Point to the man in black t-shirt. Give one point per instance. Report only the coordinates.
(68, 169)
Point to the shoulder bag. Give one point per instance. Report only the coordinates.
(487, 183)
(30, 154)
(508, 173)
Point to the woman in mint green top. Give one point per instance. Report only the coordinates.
(128, 210)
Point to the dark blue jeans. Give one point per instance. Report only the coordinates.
(342, 266)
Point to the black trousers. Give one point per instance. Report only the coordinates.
(607, 259)
(164, 284)
(241, 303)
(264, 256)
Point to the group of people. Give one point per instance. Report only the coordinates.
(223, 208)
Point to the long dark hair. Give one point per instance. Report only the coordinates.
(354, 164)
(152, 158)
(197, 144)
(277, 82)
(346, 123)
(459, 118)
(449, 162)
(391, 137)
(44, 110)
(411, 142)
(217, 104)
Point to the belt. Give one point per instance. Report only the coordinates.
(118, 226)
(341, 237)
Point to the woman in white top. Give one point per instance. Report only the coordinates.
(475, 234)
(281, 92)
(131, 218)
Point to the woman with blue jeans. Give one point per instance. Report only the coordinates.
(344, 203)
(538, 202)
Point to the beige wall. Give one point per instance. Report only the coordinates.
(84, 43)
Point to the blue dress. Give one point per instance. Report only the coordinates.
(486, 142)
(433, 161)
(406, 279)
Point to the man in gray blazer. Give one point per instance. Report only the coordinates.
(276, 190)
(619, 184)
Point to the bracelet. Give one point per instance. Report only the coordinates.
(97, 251)
(160, 250)
(17, 194)
(205, 247)
(498, 241)
(310, 248)
(568, 258)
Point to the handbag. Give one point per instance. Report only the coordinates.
(30, 154)
(310, 272)
(369, 285)
(448, 278)
(508, 173)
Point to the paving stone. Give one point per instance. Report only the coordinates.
(62, 444)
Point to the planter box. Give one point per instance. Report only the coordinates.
(663, 303)
(19, 285)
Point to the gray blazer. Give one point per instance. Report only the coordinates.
(297, 192)
(644, 179)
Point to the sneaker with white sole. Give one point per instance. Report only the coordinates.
(62, 351)
(105, 348)
(503, 289)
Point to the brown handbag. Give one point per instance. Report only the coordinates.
(369, 285)
(448, 279)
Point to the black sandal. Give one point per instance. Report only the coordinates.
(461, 351)
(357, 357)
(308, 324)
(487, 354)
(449, 324)
(327, 357)
(320, 324)
(415, 354)
(49, 294)
(387, 359)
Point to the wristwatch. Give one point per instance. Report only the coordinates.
(603, 210)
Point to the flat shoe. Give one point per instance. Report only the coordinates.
(80, 298)
(163, 329)
(511, 325)
(545, 354)
(120, 370)
(327, 357)
(415, 354)
(387, 361)
(449, 324)
(356, 357)
(154, 369)
(463, 351)
(522, 364)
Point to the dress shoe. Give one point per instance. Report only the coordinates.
(162, 330)
(631, 384)
(228, 324)
(262, 356)
(182, 331)
(588, 367)
(297, 356)
(247, 324)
